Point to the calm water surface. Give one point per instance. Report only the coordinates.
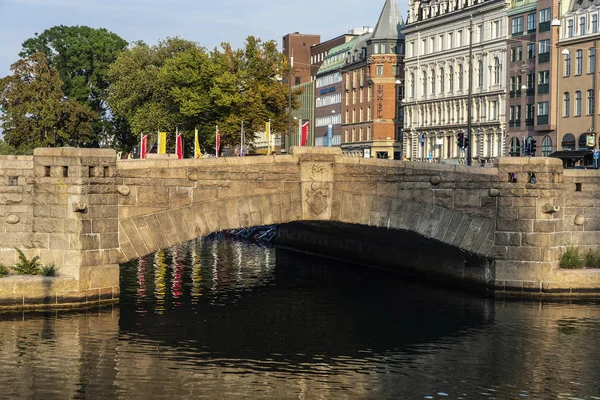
(220, 319)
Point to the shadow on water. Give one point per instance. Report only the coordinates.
(298, 307)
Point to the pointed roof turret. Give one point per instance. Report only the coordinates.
(390, 23)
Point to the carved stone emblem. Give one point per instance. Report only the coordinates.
(317, 195)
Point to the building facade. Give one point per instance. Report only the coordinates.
(578, 77)
(373, 82)
(296, 47)
(532, 59)
(443, 82)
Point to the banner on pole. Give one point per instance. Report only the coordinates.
(218, 142)
(144, 146)
(304, 137)
(197, 152)
(179, 145)
(162, 142)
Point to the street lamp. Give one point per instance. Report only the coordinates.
(330, 131)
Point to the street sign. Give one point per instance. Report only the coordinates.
(596, 155)
(422, 139)
(430, 156)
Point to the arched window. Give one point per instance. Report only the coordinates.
(480, 73)
(582, 141)
(546, 146)
(567, 104)
(412, 85)
(460, 77)
(451, 79)
(590, 101)
(432, 81)
(515, 147)
(442, 79)
(496, 71)
(568, 142)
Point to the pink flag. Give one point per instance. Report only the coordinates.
(304, 137)
(144, 146)
(179, 143)
(218, 142)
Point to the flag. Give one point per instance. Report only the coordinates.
(268, 136)
(197, 152)
(304, 136)
(179, 145)
(218, 141)
(143, 146)
(162, 142)
(243, 142)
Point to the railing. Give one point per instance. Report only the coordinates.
(544, 89)
(542, 120)
(543, 58)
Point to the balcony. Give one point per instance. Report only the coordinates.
(530, 92)
(544, 88)
(542, 120)
(543, 58)
(544, 26)
(529, 122)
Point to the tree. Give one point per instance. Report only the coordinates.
(82, 56)
(35, 111)
(178, 84)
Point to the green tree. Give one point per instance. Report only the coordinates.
(35, 111)
(178, 84)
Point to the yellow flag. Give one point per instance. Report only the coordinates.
(197, 152)
(162, 142)
(268, 136)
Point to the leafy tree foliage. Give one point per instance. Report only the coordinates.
(179, 84)
(35, 111)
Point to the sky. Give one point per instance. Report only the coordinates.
(206, 22)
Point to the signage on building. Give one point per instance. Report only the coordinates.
(327, 90)
(591, 140)
(366, 153)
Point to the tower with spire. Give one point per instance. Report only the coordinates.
(373, 75)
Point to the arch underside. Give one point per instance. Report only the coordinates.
(145, 234)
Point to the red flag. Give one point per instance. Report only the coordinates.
(179, 143)
(144, 146)
(218, 142)
(304, 134)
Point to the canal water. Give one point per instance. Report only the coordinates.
(220, 319)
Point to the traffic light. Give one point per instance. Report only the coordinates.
(466, 141)
(532, 147)
(460, 140)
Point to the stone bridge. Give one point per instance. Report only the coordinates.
(86, 212)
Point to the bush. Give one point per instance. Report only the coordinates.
(25, 266)
(49, 270)
(3, 271)
(592, 259)
(571, 258)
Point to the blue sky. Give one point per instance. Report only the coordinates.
(207, 22)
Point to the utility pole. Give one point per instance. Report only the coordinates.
(470, 98)
(289, 131)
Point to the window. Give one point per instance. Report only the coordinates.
(480, 71)
(459, 38)
(577, 103)
(567, 69)
(297, 80)
(495, 29)
(460, 77)
(595, 23)
(546, 146)
(544, 51)
(590, 102)
(530, 84)
(432, 81)
(450, 40)
(566, 104)
(424, 78)
(376, 49)
(570, 28)
(516, 53)
(412, 85)
(380, 70)
(496, 71)
(529, 113)
(531, 50)
(543, 82)
(517, 26)
(442, 80)
(592, 61)
(582, 25)
(542, 113)
(531, 23)
(578, 62)
(545, 20)
(515, 147)
(451, 79)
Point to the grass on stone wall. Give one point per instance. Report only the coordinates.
(48, 270)
(25, 266)
(3, 271)
(574, 258)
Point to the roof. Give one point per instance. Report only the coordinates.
(336, 57)
(390, 23)
(570, 154)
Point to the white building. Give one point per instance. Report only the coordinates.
(437, 78)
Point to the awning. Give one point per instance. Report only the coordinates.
(571, 154)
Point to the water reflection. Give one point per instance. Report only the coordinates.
(221, 319)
